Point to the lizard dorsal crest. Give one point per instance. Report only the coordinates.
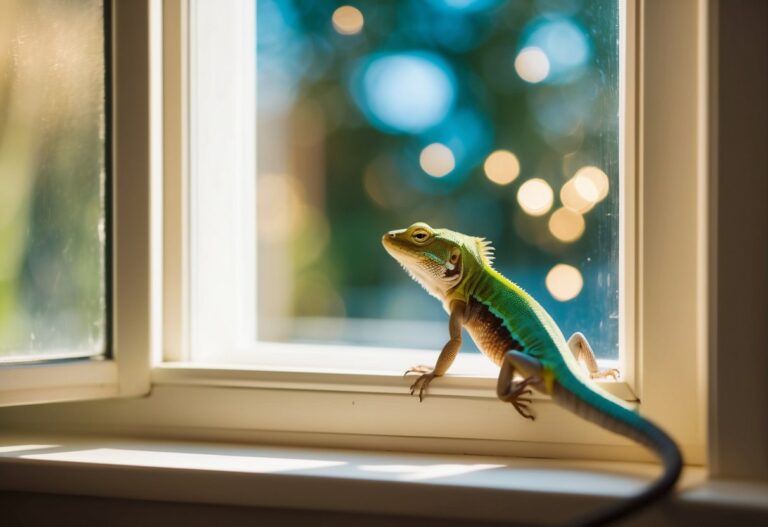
(485, 248)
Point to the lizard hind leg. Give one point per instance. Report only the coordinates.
(581, 349)
(515, 392)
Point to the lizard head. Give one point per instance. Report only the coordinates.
(436, 258)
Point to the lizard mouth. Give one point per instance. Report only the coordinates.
(392, 245)
(402, 251)
(421, 268)
(395, 247)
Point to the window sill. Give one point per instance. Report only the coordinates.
(286, 378)
(359, 410)
(346, 368)
(420, 485)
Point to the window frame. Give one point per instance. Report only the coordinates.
(291, 407)
(178, 370)
(125, 371)
(220, 325)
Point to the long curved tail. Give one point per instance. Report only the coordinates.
(603, 411)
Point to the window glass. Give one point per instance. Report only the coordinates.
(493, 118)
(52, 179)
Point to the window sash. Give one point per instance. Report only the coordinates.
(220, 270)
(645, 248)
(222, 139)
(126, 372)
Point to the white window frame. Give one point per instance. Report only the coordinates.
(302, 367)
(669, 312)
(218, 252)
(220, 291)
(126, 371)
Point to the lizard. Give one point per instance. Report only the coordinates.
(512, 329)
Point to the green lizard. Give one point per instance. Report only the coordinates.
(516, 333)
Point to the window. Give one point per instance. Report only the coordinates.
(58, 336)
(213, 245)
(358, 402)
(216, 258)
(487, 117)
(52, 157)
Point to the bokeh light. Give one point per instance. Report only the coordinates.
(573, 199)
(532, 65)
(467, 133)
(564, 282)
(566, 225)
(437, 160)
(585, 189)
(502, 167)
(535, 197)
(405, 92)
(565, 44)
(598, 182)
(348, 20)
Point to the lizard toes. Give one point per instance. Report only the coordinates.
(418, 369)
(521, 405)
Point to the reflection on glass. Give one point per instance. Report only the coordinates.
(52, 298)
(490, 117)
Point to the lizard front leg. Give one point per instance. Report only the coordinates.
(447, 355)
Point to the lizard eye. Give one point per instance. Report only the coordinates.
(420, 235)
(454, 257)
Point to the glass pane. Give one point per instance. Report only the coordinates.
(52, 180)
(497, 119)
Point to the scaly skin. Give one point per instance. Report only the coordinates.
(516, 333)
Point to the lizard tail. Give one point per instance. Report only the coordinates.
(614, 417)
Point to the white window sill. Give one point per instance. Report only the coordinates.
(330, 367)
(460, 384)
(419, 485)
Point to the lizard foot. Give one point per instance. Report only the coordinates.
(421, 368)
(521, 405)
(515, 393)
(422, 381)
(603, 374)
